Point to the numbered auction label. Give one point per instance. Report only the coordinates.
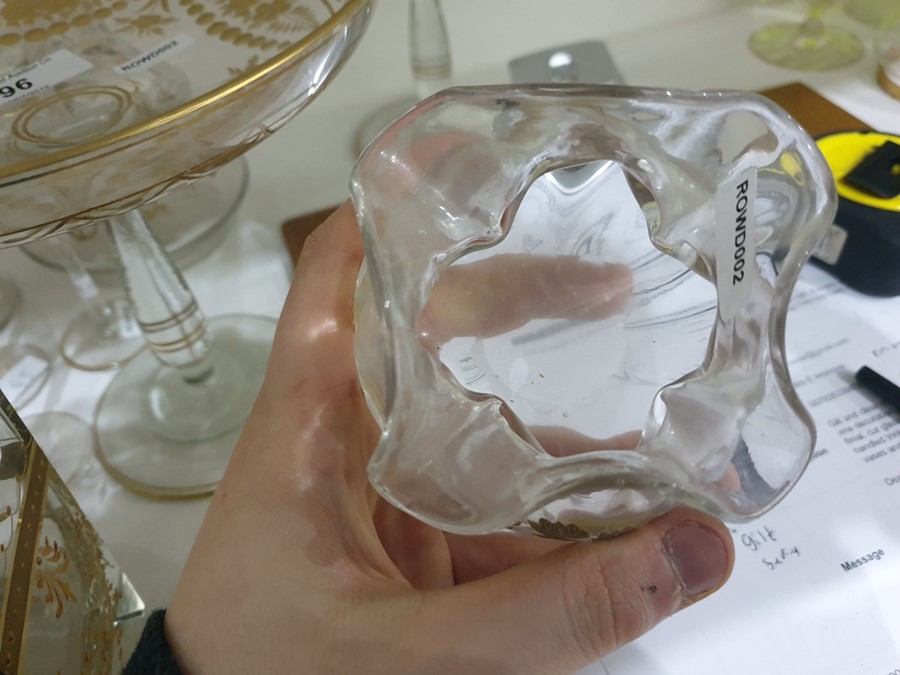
(735, 246)
(41, 75)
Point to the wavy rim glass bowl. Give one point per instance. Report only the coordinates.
(725, 192)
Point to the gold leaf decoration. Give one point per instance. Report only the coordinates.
(572, 532)
(147, 24)
(237, 8)
(251, 64)
(275, 16)
(27, 12)
(152, 5)
(552, 530)
(51, 564)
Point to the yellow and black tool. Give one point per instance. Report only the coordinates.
(863, 248)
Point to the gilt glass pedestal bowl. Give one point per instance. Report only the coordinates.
(105, 105)
(571, 315)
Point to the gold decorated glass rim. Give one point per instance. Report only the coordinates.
(48, 162)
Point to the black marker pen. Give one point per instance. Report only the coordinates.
(887, 391)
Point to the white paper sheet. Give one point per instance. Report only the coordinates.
(816, 586)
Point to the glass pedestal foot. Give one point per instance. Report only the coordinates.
(68, 442)
(795, 46)
(24, 369)
(102, 340)
(163, 437)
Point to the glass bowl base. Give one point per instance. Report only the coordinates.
(130, 443)
(93, 344)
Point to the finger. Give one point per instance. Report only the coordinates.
(497, 295)
(314, 337)
(573, 606)
(310, 423)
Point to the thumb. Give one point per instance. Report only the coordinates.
(571, 607)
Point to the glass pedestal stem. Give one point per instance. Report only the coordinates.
(165, 309)
(167, 423)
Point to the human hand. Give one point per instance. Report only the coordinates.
(300, 567)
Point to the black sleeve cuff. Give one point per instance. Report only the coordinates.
(152, 655)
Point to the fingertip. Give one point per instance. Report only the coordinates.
(643, 577)
(596, 597)
(700, 550)
(319, 302)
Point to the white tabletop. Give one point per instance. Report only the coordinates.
(691, 43)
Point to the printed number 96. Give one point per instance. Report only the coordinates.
(12, 89)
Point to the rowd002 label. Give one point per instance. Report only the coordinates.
(735, 210)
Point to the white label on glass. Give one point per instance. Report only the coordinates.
(159, 53)
(41, 75)
(128, 325)
(735, 246)
(831, 245)
(22, 375)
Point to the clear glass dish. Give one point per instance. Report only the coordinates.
(108, 106)
(571, 315)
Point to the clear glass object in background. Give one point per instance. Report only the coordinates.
(188, 223)
(67, 441)
(64, 598)
(24, 369)
(810, 44)
(104, 335)
(572, 352)
(120, 115)
(429, 63)
(9, 300)
(887, 49)
(871, 12)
